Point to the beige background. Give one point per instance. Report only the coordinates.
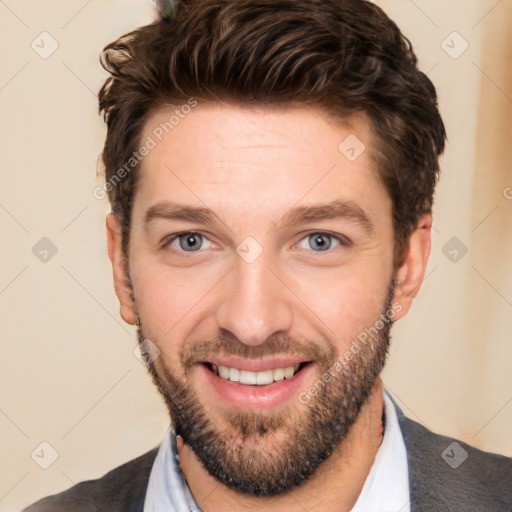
(68, 374)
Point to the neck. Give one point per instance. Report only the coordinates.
(334, 487)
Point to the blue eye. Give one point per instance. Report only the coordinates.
(187, 242)
(191, 242)
(322, 241)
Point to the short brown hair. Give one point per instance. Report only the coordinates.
(345, 56)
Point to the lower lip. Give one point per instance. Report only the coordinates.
(257, 397)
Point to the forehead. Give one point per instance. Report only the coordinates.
(300, 133)
(259, 156)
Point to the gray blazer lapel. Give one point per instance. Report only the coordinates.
(481, 482)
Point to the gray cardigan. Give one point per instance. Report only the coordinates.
(482, 483)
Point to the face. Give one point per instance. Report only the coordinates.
(259, 252)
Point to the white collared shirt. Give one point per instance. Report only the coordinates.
(386, 488)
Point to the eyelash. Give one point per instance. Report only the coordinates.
(343, 241)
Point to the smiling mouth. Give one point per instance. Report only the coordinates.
(260, 378)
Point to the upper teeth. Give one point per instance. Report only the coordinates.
(261, 378)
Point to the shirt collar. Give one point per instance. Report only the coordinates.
(167, 488)
(386, 487)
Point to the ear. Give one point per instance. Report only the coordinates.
(120, 268)
(410, 275)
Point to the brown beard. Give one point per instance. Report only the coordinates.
(239, 456)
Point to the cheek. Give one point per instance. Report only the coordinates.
(162, 301)
(346, 301)
(161, 309)
(169, 302)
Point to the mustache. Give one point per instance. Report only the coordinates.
(279, 345)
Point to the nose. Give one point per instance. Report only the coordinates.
(256, 303)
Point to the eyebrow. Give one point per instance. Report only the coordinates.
(174, 211)
(336, 209)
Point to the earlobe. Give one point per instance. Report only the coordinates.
(120, 270)
(410, 275)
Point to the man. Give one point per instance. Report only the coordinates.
(271, 167)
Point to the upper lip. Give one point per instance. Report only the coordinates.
(256, 365)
